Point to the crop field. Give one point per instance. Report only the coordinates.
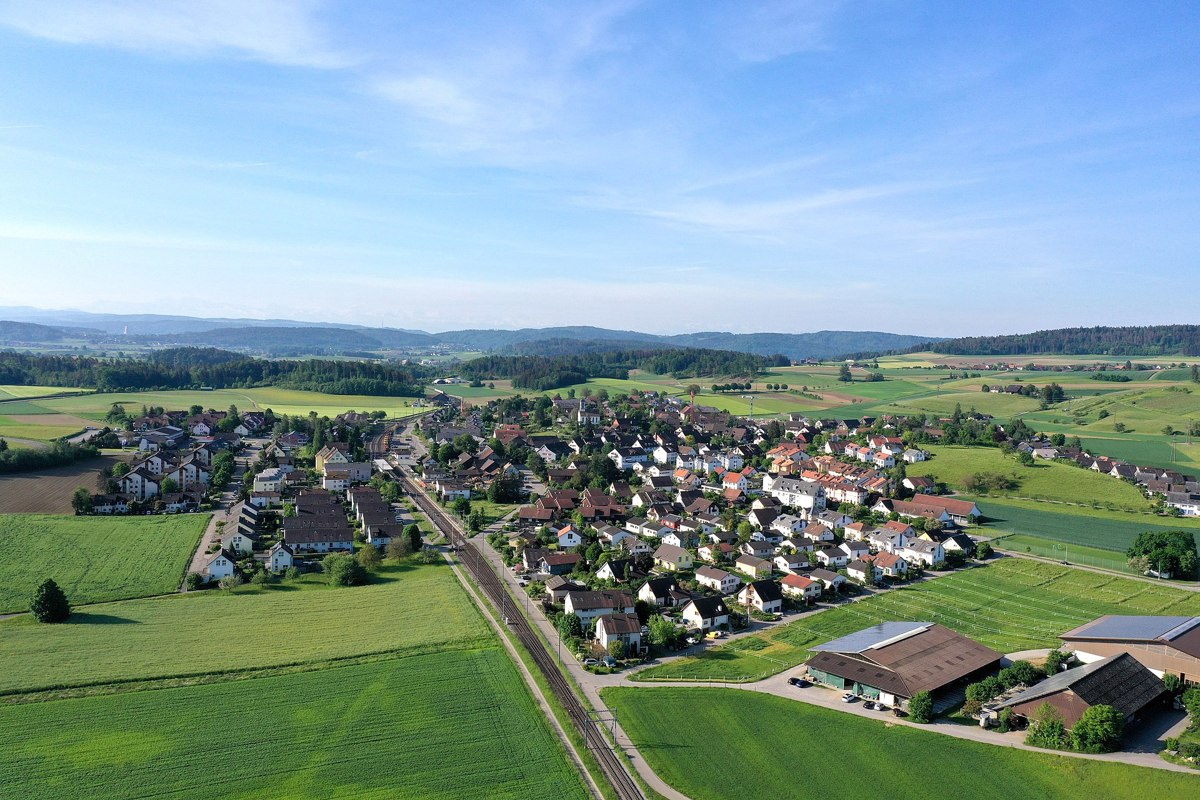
(94, 559)
(873, 758)
(409, 608)
(1012, 604)
(943, 403)
(48, 491)
(446, 725)
(34, 391)
(281, 401)
(1104, 530)
(24, 427)
(1044, 481)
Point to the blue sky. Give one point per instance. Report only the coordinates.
(935, 168)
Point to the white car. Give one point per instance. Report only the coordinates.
(848, 697)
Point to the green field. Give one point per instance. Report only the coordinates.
(1045, 480)
(409, 608)
(1097, 528)
(281, 401)
(34, 391)
(446, 725)
(94, 558)
(769, 746)
(1012, 604)
(1061, 551)
(27, 430)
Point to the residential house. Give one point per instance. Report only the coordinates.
(717, 579)
(280, 557)
(672, 557)
(624, 628)
(706, 613)
(800, 587)
(559, 563)
(590, 605)
(662, 592)
(753, 566)
(220, 564)
(766, 596)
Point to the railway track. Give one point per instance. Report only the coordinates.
(612, 766)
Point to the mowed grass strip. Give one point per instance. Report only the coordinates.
(1046, 480)
(872, 759)
(1012, 604)
(410, 607)
(94, 559)
(445, 725)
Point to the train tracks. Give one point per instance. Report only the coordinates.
(612, 766)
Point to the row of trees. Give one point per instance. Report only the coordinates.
(1148, 340)
(193, 367)
(56, 455)
(542, 373)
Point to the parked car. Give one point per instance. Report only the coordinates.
(591, 662)
(799, 683)
(869, 705)
(849, 697)
(609, 661)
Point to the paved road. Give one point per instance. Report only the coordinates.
(221, 513)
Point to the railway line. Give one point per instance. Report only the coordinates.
(612, 766)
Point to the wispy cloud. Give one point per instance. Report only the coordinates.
(275, 31)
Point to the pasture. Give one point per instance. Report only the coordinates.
(33, 426)
(448, 725)
(1012, 604)
(1074, 525)
(48, 491)
(1061, 551)
(408, 608)
(1045, 480)
(94, 559)
(870, 754)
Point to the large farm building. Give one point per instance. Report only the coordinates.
(893, 661)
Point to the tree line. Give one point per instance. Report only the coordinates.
(193, 367)
(541, 373)
(1144, 340)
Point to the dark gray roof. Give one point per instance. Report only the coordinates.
(871, 637)
(1120, 681)
(1119, 627)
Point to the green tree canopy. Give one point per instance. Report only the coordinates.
(49, 604)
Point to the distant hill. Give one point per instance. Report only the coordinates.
(292, 338)
(1146, 340)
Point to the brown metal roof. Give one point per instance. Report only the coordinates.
(923, 661)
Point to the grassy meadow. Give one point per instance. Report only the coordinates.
(873, 758)
(1009, 605)
(1045, 480)
(94, 559)
(408, 608)
(455, 724)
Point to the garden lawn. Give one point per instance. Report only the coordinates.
(1098, 528)
(445, 725)
(94, 559)
(1045, 480)
(1012, 604)
(409, 608)
(872, 758)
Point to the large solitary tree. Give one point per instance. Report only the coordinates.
(49, 604)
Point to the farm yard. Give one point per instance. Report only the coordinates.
(94, 559)
(451, 725)
(1012, 604)
(408, 608)
(779, 737)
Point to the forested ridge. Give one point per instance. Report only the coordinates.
(1145, 340)
(186, 367)
(542, 373)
